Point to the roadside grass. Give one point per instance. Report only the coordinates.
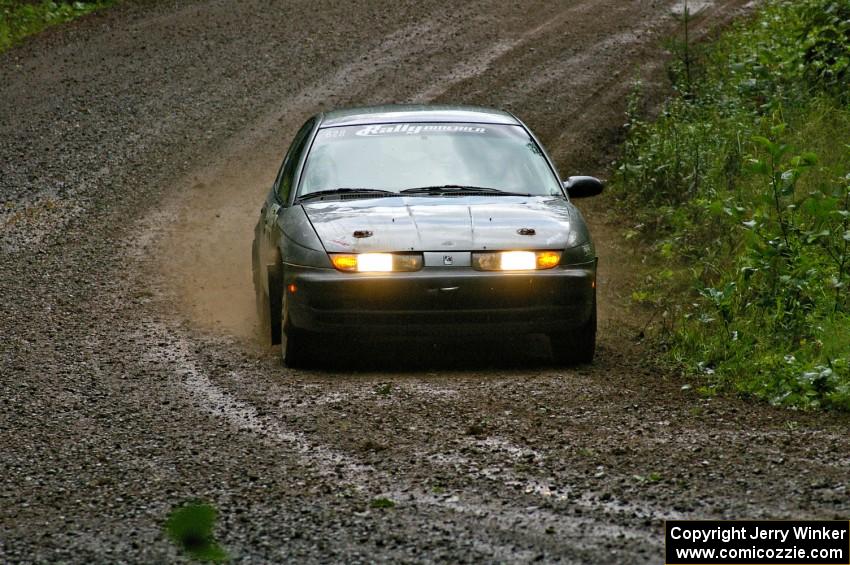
(19, 19)
(741, 187)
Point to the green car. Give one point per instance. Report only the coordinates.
(423, 221)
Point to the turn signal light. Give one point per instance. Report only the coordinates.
(345, 262)
(548, 259)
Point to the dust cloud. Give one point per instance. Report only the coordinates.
(205, 257)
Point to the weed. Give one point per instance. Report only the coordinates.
(381, 503)
(191, 528)
(650, 478)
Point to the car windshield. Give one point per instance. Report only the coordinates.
(404, 156)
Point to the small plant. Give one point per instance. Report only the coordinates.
(381, 503)
(384, 389)
(650, 478)
(191, 528)
(681, 71)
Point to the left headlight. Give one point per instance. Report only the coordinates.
(376, 262)
(515, 260)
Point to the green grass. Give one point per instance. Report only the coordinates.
(742, 189)
(20, 19)
(191, 528)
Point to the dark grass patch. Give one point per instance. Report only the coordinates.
(382, 503)
(19, 19)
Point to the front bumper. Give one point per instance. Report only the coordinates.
(440, 301)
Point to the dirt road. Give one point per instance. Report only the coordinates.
(135, 148)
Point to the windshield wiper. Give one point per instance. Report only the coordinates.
(460, 189)
(320, 194)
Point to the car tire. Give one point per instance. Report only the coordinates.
(260, 299)
(294, 342)
(268, 308)
(264, 331)
(275, 275)
(576, 346)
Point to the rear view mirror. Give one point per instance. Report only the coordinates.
(581, 187)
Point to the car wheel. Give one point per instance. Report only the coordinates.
(578, 345)
(275, 274)
(268, 306)
(263, 315)
(260, 298)
(294, 346)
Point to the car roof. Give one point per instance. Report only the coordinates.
(394, 113)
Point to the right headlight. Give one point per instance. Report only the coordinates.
(515, 260)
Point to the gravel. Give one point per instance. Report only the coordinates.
(135, 146)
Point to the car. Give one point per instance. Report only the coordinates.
(429, 220)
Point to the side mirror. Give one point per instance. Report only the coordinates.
(582, 187)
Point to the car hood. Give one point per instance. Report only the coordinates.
(433, 223)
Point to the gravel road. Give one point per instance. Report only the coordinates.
(135, 147)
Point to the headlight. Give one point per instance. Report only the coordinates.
(376, 262)
(515, 260)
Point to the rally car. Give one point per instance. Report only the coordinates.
(423, 221)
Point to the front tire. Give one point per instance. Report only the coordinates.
(268, 306)
(576, 346)
(293, 341)
(260, 298)
(275, 297)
